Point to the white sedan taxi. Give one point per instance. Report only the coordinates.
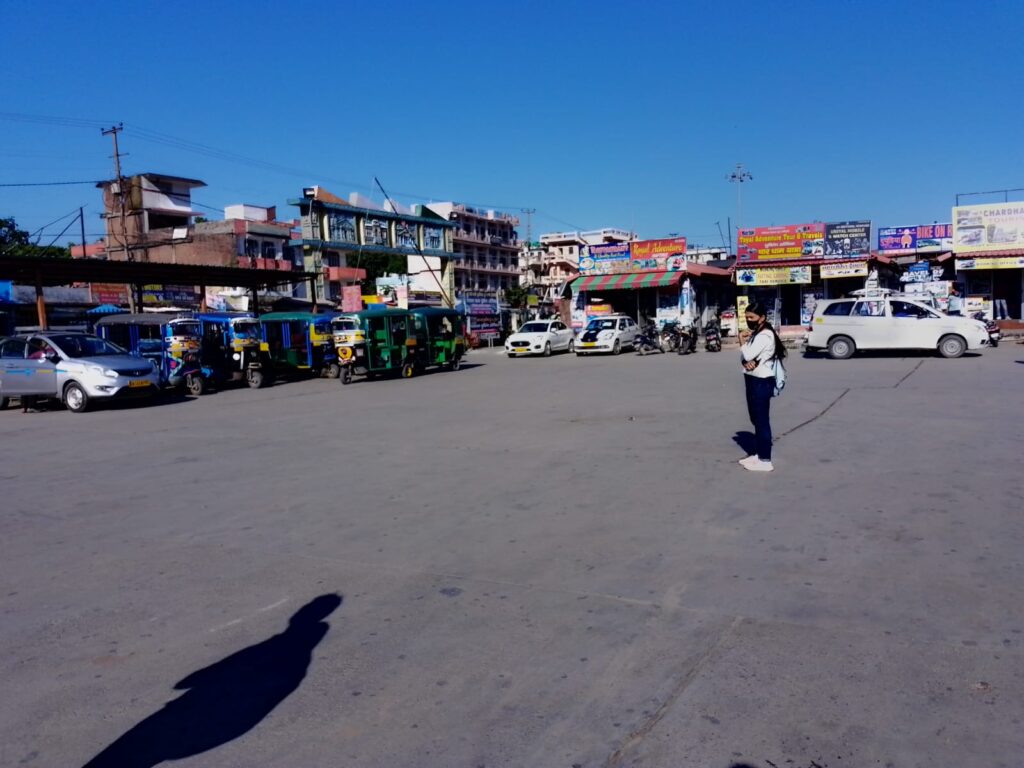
(540, 337)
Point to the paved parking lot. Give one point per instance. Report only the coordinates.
(544, 562)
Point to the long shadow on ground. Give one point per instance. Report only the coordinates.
(228, 698)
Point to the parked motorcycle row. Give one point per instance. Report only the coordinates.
(673, 337)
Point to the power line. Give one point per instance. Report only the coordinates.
(47, 183)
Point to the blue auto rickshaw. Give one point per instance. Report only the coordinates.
(231, 348)
(171, 341)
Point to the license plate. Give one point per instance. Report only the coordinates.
(136, 383)
(589, 344)
(521, 350)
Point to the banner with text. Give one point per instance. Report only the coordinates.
(851, 269)
(658, 255)
(923, 237)
(604, 259)
(980, 228)
(847, 239)
(773, 275)
(793, 241)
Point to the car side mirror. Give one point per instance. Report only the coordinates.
(53, 357)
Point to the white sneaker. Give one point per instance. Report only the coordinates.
(749, 459)
(760, 466)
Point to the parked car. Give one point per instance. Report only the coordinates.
(846, 326)
(611, 333)
(76, 368)
(540, 337)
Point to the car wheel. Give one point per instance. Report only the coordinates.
(616, 347)
(510, 355)
(195, 384)
(4, 402)
(952, 346)
(75, 398)
(841, 348)
(572, 346)
(547, 349)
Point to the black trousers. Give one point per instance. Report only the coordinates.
(759, 400)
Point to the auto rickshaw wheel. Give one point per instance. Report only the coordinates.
(333, 371)
(407, 371)
(4, 402)
(254, 378)
(456, 363)
(195, 384)
(346, 374)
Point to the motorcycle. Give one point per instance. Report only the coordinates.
(994, 334)
(687, 340)
(671, 337)
(647, 340)
(713, 335)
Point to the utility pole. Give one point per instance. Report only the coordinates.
(81, 225)
(529, 223)
(738, 177)
(113, 131)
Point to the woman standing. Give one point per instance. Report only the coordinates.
(761, 348)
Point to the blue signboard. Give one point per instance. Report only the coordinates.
(897, 238)
(479, 303)
(6, 291)
(921, 237)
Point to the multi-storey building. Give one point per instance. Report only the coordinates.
(348, 241)
(553, 261)
(486, 244)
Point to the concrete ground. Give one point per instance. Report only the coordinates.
(544, 562)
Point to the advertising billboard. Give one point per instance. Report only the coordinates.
(847, 239)
(980, 228)
(991, 262)
(773, 275)
(604, 259)
(480, 303)
(657, 255)
(793, 241)
(849, 269)
(922, 237)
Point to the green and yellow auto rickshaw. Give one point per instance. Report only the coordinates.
(443, 339)
(386, 341)
(300, 343)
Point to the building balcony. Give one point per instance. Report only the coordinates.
(471, 266)
(472, 237)
(261, 263)
(344, 274)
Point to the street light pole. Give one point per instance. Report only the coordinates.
(738, 177)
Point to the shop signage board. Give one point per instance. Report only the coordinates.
(847, 239)
(6, 291)
(773, 275)
(485, 326)
(990, 262)
(179, 295)
(480, 302)
(920, 238)
(108, 293)
(605, 259)
(850, 269)
(980, 228)
(668, 255)
(793, 241)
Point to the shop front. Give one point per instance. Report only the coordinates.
(789, 290)
(681, 295)
(989, 244)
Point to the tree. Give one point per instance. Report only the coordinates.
(516, 296)
(17, 242)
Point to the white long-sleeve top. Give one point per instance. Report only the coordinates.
(761, 347)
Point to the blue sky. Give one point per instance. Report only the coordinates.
(595, 114)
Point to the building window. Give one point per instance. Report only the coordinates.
(405, 235)
(269, 251)
(433, 237)
(252, 248)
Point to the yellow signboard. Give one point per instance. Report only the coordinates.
(990, 262)
(981, 228)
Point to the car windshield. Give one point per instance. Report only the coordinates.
(185, 328)
(601, 325)
(345, 324)
(534, 328)
(247, 329)
(86, 346)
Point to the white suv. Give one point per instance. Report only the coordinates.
(844, 326)
(609, 333)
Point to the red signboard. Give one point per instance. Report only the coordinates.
(656, 255)
(351, 298)
(794, 241)
(108, 293)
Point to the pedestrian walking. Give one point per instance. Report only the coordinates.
(761, 348)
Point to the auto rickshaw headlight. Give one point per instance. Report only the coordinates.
(236, 356)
